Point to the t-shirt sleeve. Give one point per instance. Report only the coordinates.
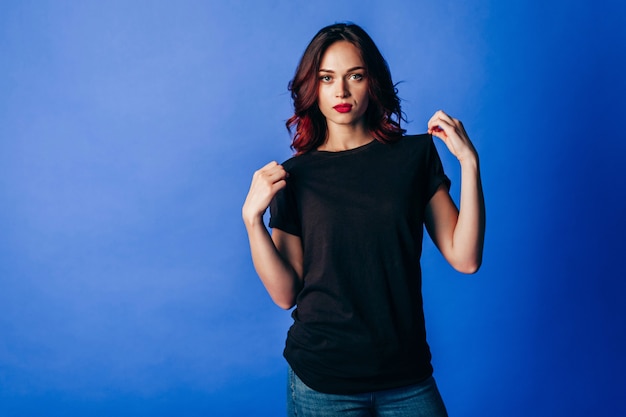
(436, 176)
(284, 212)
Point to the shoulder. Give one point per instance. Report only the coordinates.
(421, 144)
(295, 161)
(416, 141)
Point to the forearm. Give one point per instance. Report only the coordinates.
(469, 232)
(277, 274)
(459, 234)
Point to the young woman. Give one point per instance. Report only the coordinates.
(347, 213)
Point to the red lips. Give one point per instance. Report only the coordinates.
(343, 108)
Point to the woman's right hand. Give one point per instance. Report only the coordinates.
(266, 182)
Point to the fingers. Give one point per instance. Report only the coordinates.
(271, 173)
(269, 179)
(452, 132)
(266, 182)
(443, 126)
(442, 123)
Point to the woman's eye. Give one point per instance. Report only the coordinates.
(325, 78)
(357, 77)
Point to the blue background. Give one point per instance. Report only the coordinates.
(129, 132)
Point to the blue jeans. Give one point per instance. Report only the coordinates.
(422, 399)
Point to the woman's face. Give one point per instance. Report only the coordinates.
(343, 86)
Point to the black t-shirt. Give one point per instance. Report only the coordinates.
(359, 322)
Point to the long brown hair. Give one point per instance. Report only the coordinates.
(383, 115)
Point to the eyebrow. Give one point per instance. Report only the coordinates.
(349, 70)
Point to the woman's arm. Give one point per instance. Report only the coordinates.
(278, 258)
(459, 234)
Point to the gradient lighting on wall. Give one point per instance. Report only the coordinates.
(129, 132)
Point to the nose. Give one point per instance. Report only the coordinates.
(341, 89)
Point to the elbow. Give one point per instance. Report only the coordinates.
(285, 303)
(466, 262)
(285, 306)
(468, 267)
(284, 296)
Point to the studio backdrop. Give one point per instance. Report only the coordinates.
(129, 133)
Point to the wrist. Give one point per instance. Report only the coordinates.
(252, 220)
(469, 161)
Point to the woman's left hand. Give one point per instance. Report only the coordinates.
(453, 134)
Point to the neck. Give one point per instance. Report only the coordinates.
(345, 137)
